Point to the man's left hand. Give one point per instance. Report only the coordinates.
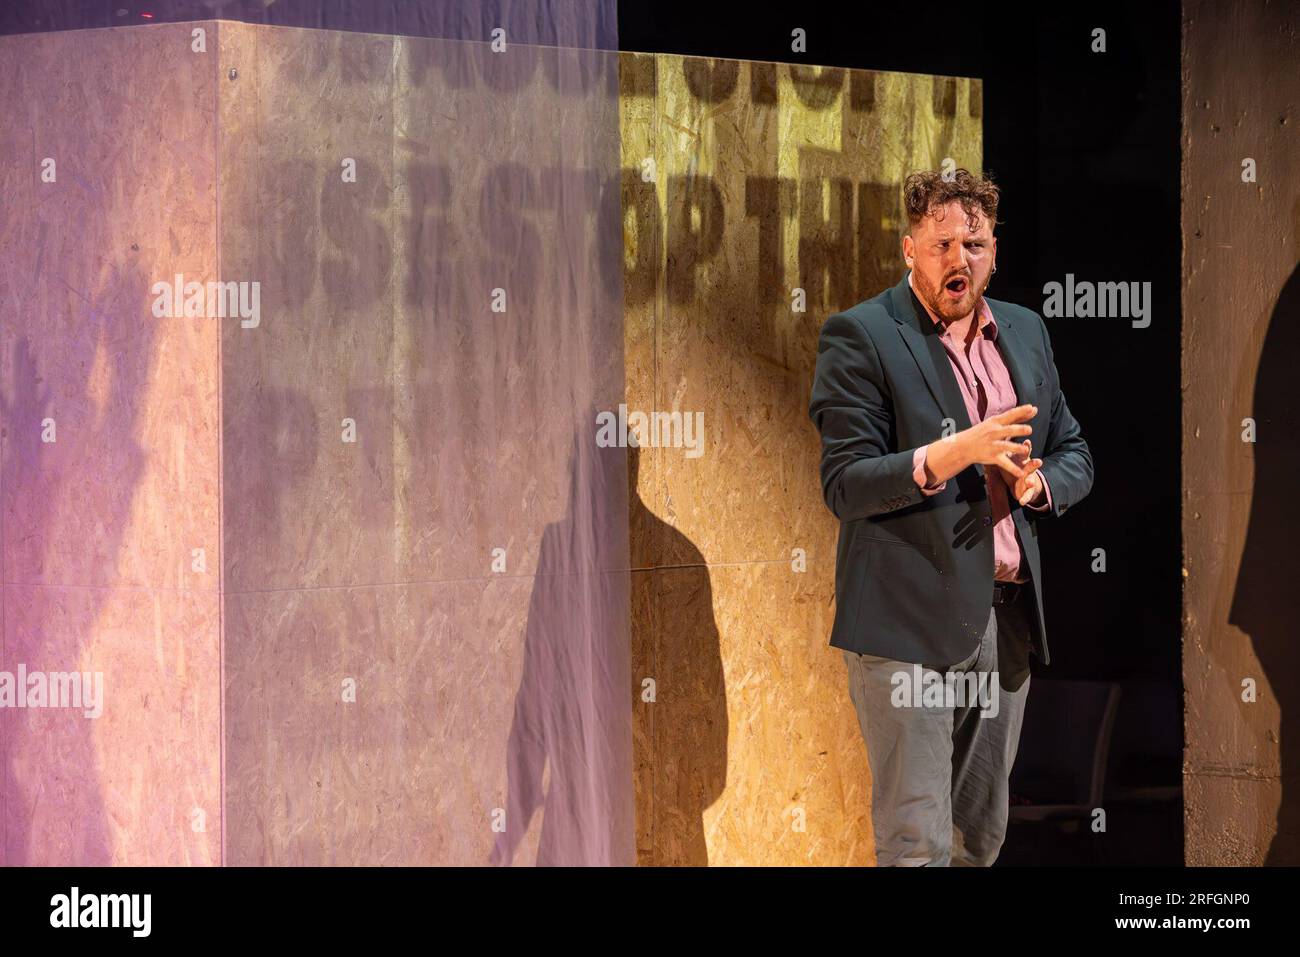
(1028, 489)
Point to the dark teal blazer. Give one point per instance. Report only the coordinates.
(914, 573)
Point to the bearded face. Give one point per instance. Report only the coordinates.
(952, 296)
(952, 260)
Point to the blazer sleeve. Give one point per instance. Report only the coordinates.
(1067, 466)
(853, 410)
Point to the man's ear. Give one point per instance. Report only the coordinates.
(909, 248)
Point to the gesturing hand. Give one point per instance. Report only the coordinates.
(989, 442)
(1028, 486)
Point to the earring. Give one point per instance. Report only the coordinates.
(995, 268)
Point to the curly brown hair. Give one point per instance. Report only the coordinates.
(926, 190)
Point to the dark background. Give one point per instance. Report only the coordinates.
(1086, 149)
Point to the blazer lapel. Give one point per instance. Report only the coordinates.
(922, 338)
(1012, 349)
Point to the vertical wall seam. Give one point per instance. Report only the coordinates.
(221, 560)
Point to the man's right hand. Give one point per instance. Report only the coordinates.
(988, 443)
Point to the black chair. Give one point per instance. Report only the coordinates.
(1059, 777)
(1146, 758)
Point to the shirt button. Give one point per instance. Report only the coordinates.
(988, 520)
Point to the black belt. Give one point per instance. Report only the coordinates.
(1005, 593)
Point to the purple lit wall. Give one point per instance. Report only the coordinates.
(363, 584)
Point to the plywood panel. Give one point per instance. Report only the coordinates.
(475, 474)
(1241, 305)
(758, 757)
(309, 498)
(128, 121)
(108, 489)
(137, 783)
(736, 183)
(772, 183)
(763, 199)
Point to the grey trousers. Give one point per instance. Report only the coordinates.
(941, 740)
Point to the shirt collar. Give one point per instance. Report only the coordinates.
(988, 325)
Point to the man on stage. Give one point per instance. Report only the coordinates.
(932, 401)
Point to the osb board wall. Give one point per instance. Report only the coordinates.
(1241, 347)
(476, 687)
(749, 750)
(371, 563)
(109, 438)
(744, 182)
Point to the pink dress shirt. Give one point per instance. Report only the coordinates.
(987, 390)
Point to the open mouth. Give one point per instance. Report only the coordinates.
(957, 287)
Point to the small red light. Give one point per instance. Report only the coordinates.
(147, 16)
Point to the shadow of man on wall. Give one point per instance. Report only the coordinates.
(680, 695)
(622, 694)
(1266, 603)
(55, 802)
